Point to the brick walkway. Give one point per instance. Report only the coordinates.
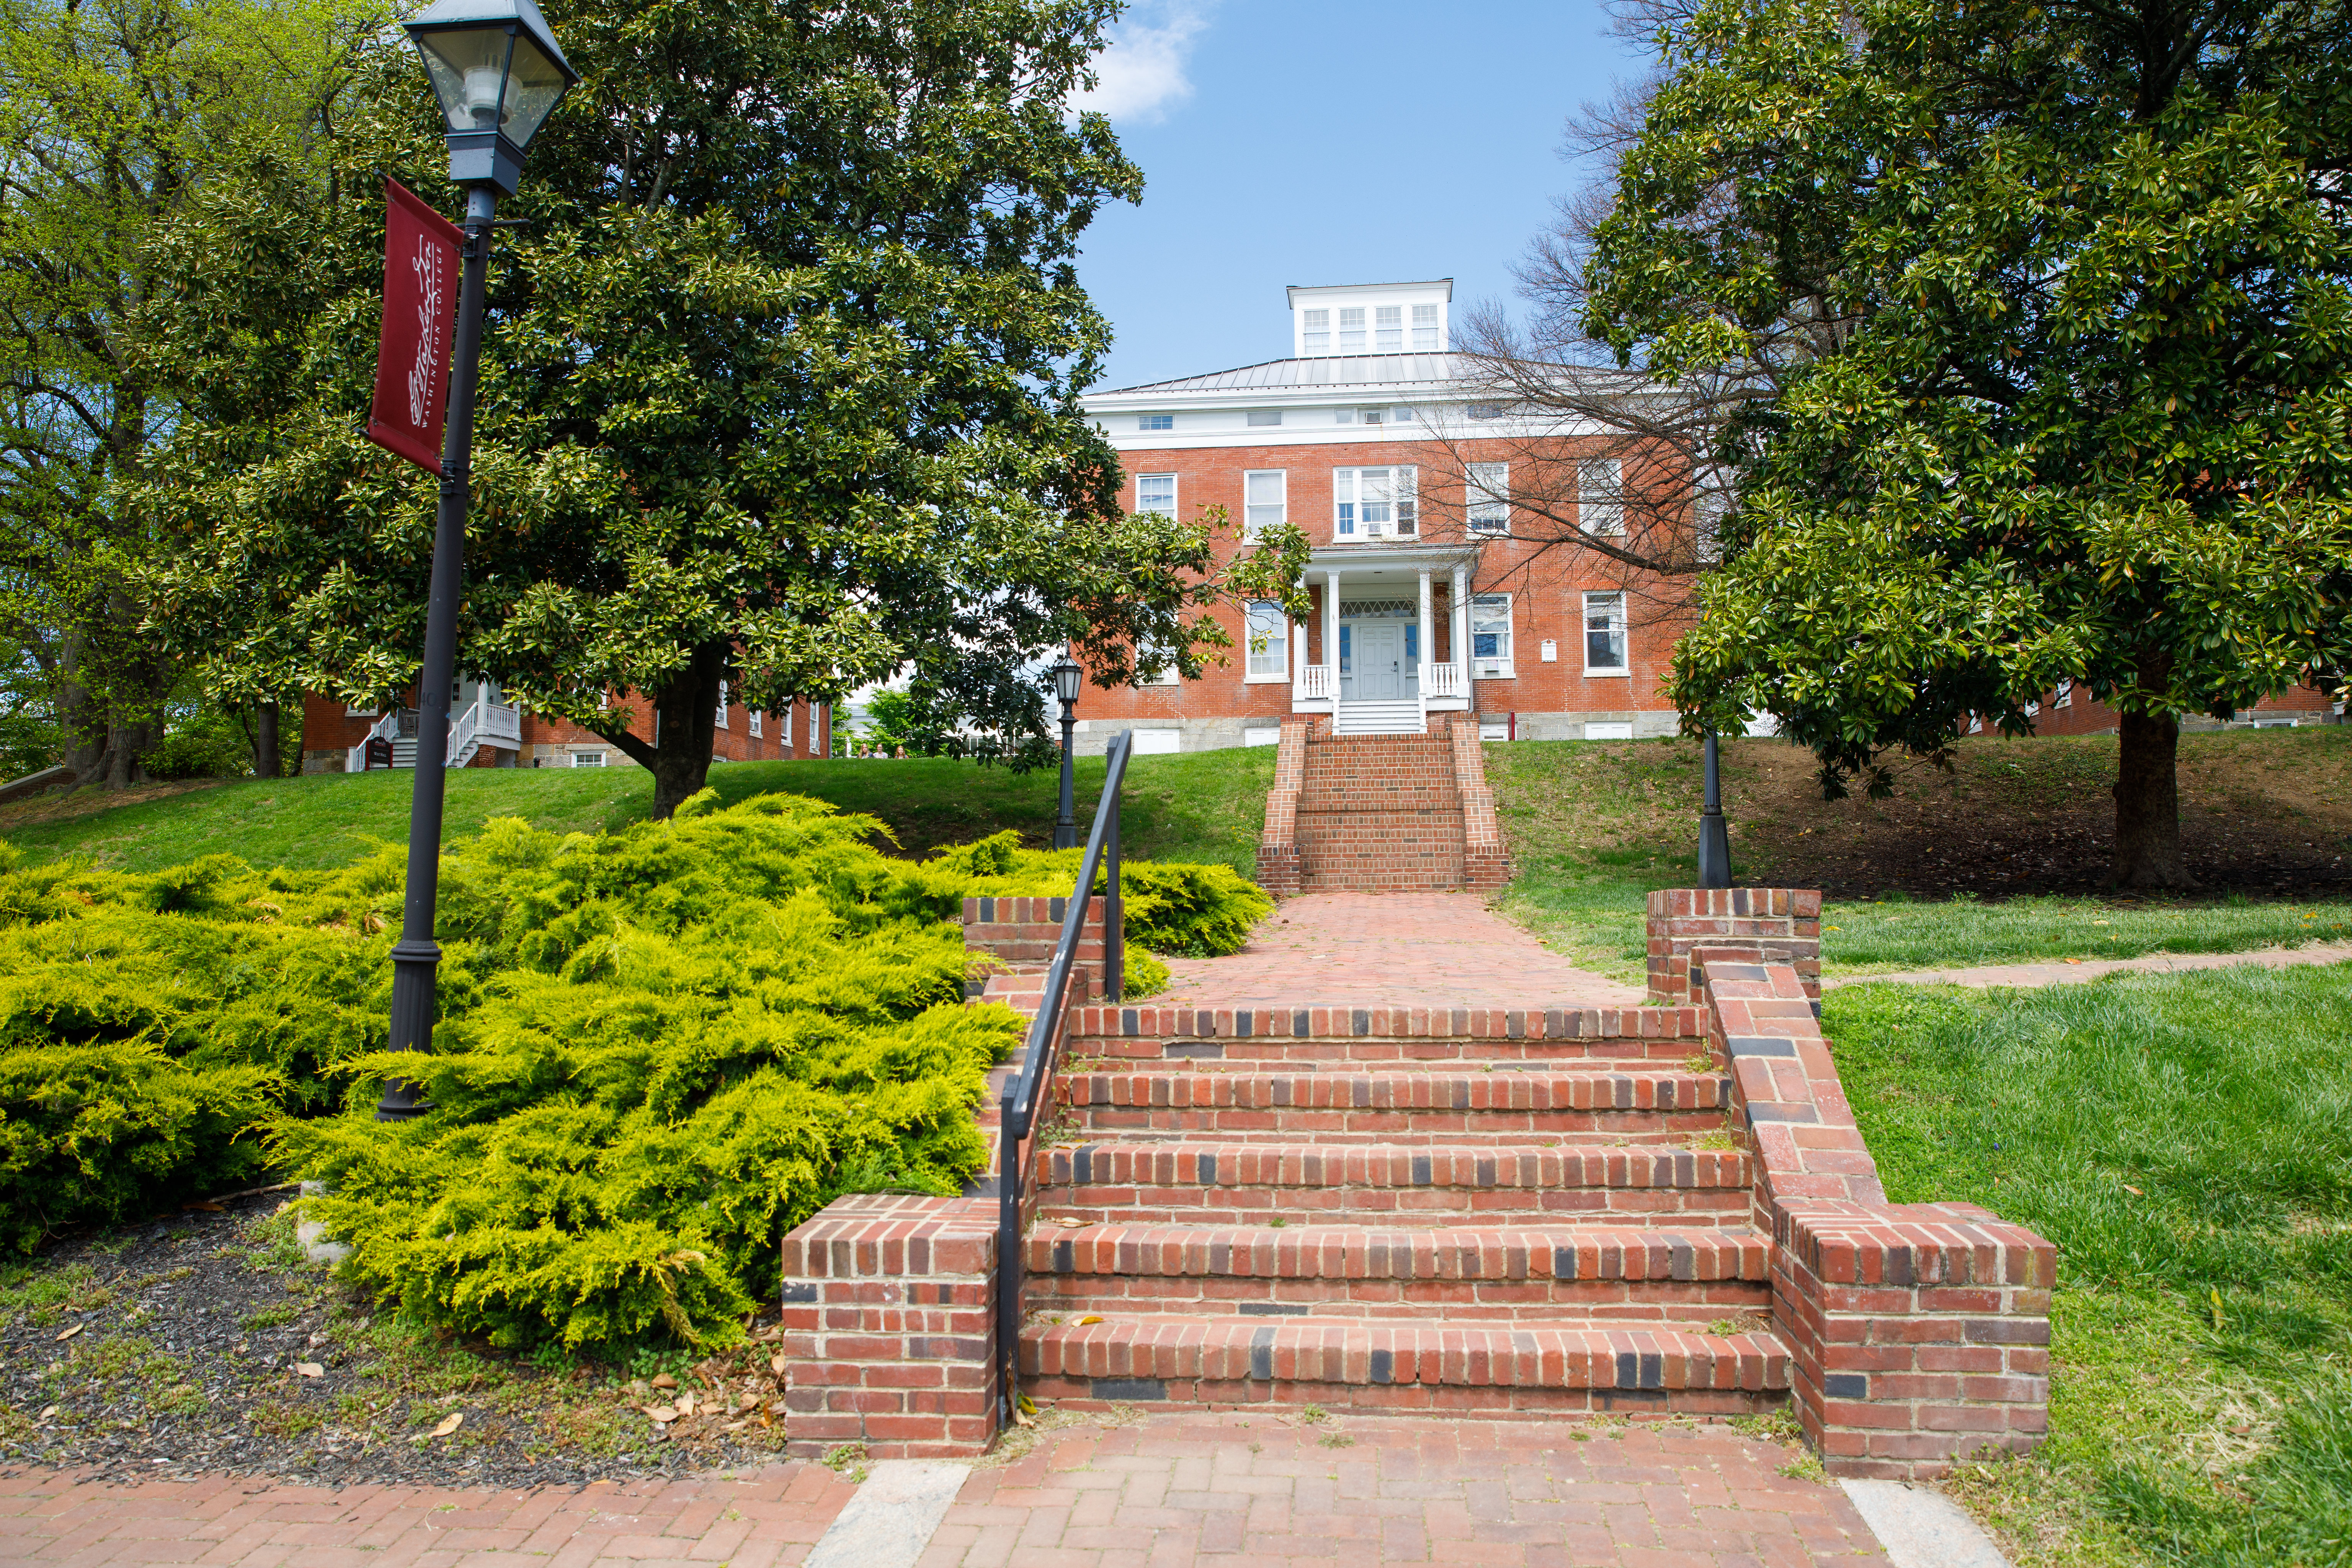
(2058, 972)
(1387, 950)
(1155, 1493)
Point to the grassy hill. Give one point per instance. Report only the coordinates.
(1204, 806)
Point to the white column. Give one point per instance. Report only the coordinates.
(1331, 630)
(1458, 619)
(1428, 650)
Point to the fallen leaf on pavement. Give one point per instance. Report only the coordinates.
(310, 1369)
(68, 1333)
(449, 1424)
(660, 1415)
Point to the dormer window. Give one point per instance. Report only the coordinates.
(1314, 331)
(1351, 328)
(1424, 329)
(1388, 324)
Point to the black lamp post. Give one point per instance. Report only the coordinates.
(497, 71)
(1068, 680)
(1714, 838)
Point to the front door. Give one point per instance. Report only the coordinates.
(1379, 662)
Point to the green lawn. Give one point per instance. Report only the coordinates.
(1593, 828)
(1204, 806)
(2183, 1140)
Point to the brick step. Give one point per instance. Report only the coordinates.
(1405, 1055)
(1372, 1107)
(1374, 800)
(1658, 1033)
(1460, 1369)
(1241, 1181)
(1521, 1274)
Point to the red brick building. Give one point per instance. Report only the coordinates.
(488, 732)
(1426, 601)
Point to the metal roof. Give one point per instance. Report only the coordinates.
(1333, 370)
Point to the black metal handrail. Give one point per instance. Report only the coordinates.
(1018, 1112)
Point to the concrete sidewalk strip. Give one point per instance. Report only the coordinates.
(1921, 1528)
(893, 1517)
(2058, 972)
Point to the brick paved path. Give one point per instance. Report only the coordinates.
(757, 1521)
(1160, 1492)
(2058, 972)
(1386, 950)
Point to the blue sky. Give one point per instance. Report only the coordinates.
(1310, 141)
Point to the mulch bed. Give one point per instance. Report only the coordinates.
(199, 1342)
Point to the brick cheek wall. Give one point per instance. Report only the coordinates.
(1919, 1333)
(1022, 933)
(1485, 865)
(1778, 925)
(1280, 870)
(888, 1316)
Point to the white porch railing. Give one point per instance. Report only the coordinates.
(1317, 683)
(385, 727)
(483, 724)
(1443, 680)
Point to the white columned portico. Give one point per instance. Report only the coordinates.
(1457, 628)
(1331, 630)
(1428, 627)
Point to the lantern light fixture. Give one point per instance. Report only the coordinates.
(498, 73)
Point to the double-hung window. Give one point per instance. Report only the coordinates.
(752, 725)
(1156, 493)
(1424, 329)
(1388, 329)
(1351, 328)
(1267, 630)
(722, 705)
(1314, 332)
(1490, 498)
(1264, 500)
(1490, 636)
(2065, 694)
(1601, 495)
(1604, 635)
(1376, 503)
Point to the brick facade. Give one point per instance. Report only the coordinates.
(1778, 925)
(329, 732)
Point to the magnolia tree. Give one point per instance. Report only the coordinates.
(2071, 402)
(780, 393)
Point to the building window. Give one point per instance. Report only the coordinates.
(1314, 332)
(1376, 503)
(752, 725)
(2065, 694)
(1601, 495)
(784, 727)
(1490, 634)
(1268, 631)
(1388, 329)
(1155, 421)
(1344, 416)
(722, 705)
(1156, 493)
(1483, 411)
(1351, 328)
(1424, 329)
(1400, 415)
(1490, 498)
(1264, 500)
(1371, 415)
(1604, 635)
(1266, 415)
(587, 759)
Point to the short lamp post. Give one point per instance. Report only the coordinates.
(497, 71)
(1068, 680)
(1714, 838)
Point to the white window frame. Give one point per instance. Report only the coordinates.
(1315, 330)
(784, 729)
(1155, 422)
(1600, 497)
(1487, 498)
(1388, 329)
(1424, 320)
(1271, 666)
(1351, 518)
(1144, 506)
(1613, 603)
(1257, 516)
(1371, 415)
(590, 759)
(722, 705)
(2065, 694)
(1352, 328)
(752, 725)
(1498, 665)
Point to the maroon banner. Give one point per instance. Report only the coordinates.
(422, 253)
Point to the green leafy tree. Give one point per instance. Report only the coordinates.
(2067, 395)
(115, 116)
(780, 391)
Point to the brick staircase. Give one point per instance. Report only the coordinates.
(1444, 1214)
(1380, 813)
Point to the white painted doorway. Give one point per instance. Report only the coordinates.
(1375, 671)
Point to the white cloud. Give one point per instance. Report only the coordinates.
(1142, 74)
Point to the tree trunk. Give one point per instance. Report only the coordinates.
(2148, 805)
(685, 715)
(265, 740)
